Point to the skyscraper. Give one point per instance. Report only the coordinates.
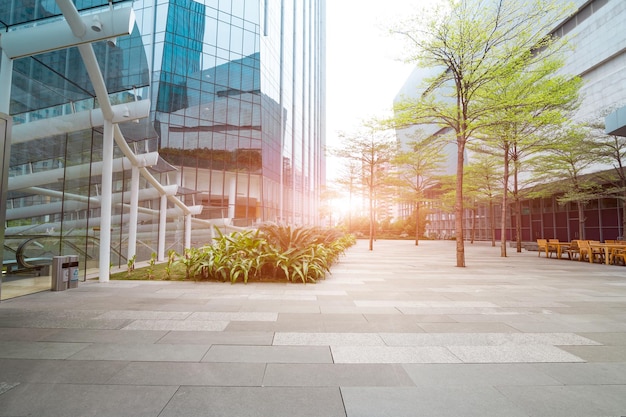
(138, 126)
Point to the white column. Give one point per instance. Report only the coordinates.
(188, 231)
(162, 228)
(106, 208)
(134, 206)
(6, 74)
(232, 197)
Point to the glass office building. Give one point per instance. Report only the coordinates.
(133, 128)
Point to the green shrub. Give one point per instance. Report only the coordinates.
(277, 252)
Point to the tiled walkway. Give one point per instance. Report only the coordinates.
(396, 332)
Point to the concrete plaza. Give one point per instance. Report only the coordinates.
(400, 331)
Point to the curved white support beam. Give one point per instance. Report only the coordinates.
(75, 30)
(38, 179)
(83, 120)
(123, 145)
(74, 202)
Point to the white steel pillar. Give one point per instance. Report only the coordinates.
(232, 197)
(6, 74)
(162, 228)
(188, 231)
(106, 198)
(134, 206)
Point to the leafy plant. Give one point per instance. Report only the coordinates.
(191, 259)
(171, 258)
(151, 263)
(295, 254)
(131, 264)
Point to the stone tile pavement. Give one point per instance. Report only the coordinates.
(399, 331)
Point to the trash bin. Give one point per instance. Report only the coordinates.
(72, 266)
(60, 273)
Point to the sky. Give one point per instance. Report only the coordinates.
(364, 69)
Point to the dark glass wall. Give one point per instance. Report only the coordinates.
(235, 107)
(236, 92)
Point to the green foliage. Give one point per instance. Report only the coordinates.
(273, 252)
(131, 264)
(482, 48)
(171, 258)
(234, 256)
(151, 263)
(190, 259)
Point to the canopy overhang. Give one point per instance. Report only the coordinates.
(58, 35)
(615, 123)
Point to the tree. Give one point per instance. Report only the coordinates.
(561, 167)
(474, 43)
(372, 148)
(527, 105)
(611, 149)
(417, 167)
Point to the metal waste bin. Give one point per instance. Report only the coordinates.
(60, 273)
(72, 266)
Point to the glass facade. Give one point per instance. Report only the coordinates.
(232, 133)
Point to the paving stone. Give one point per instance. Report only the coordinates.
(608, 373)
(142, 352)
(253, 402)
(233, 316)
(468, 328)
(46, 322)
(143, 314)
(569, 401)
(611, 338)
(484, 339)
(335, 375)
(510, 354)
(200, 325)
(217, 338)
(388, 354)
(25, 334)
(190, 373)
(80, 400)
(39, 350)
(436, 401)
(328, 339)
(598, 353)
(475, 375)
(105, 336)
(57, 371)
(269, 354)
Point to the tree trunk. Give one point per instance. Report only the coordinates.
(623, 232)
(581, 220)
(518, 223)
(458, 206)
(518, 211)
(505, 182)
(473, 233)
(350, 210)
(492, 223)
(417, 224)
(371, 221)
